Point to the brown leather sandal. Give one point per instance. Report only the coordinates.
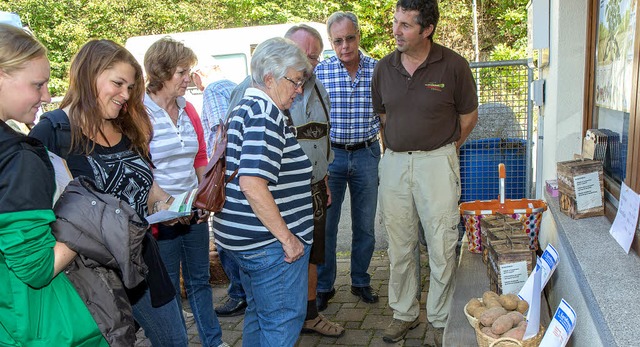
(322, 326)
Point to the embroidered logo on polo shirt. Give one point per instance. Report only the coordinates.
(434, 86)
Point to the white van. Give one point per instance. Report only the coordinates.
(231, 48)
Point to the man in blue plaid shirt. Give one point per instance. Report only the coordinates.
(354, 140)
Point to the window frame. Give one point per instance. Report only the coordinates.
(632, 178)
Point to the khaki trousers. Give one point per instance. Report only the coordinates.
(421, 186)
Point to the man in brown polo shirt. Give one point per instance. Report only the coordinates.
(426, 97)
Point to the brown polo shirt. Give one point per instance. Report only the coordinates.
(422, 111)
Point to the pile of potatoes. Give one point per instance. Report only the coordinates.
(500, 315)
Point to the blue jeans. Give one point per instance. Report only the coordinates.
(188, 245)
(164, 325)
(358, 170)
(276, 295)
(232, 270)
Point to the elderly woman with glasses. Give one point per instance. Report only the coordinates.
(266, 224)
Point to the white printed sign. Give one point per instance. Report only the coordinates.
(588, 191)
(624, 226)
(513, 276)
(561, 327)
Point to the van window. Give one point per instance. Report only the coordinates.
(328, 53)
(233, 66)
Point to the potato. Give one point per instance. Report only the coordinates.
(478, 312)
(492, 303)
(488, 295)
(516, 333)
(523, 306)
(471, 310)
(474, 302)
(516, 317)
(473, 305)
(509, 301)
(501, 325)
(489, 316)
(487, 330)
(522, 324)
(490, 299)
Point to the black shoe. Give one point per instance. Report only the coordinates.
(367, 294)
(232, 307)
(322, 299)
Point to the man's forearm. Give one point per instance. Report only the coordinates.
(467, 123)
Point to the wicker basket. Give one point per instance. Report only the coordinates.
(506, 342)
(472, 320)
(485, 340)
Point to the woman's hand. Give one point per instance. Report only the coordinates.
(186, 220)
(171, 222)
(293, 249)
(265, 208)
(203, 215)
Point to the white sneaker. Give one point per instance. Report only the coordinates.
(187, 315)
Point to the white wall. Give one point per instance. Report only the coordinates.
(562, 112)
(564, 92)
(562, 122)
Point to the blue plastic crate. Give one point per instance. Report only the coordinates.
(479, 161)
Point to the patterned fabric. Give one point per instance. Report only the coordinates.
(214, 108)
(122, 173)
(173, 148)
(531, 222)
(352, 116)
(261, 145)
(116, 170)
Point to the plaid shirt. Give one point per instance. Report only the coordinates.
(215, 103)
(352, 116)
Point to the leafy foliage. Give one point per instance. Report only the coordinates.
(64, 26)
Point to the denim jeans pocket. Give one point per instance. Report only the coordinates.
(261, 258)
(374, 150)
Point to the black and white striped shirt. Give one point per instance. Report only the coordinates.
(261, 145)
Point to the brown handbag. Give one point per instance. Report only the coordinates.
(211, 195)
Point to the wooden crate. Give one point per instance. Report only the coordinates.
(567, 171)
(497, 227)
(505, 252)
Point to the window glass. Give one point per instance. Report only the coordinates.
(233, 66)
(613, 127)
(613, 78)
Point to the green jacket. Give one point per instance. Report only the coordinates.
(36, 309)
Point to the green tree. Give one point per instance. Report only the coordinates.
(64, 26)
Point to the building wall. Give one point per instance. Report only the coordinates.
(562, 121)
(564, 91)
(562, 112)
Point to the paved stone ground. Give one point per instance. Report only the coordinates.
(364, 323)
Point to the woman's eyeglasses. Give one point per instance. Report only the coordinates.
(297, 85)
